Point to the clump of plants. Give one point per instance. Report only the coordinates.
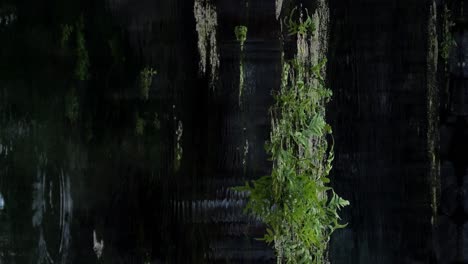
(241, 36)
(146, 79)
(296, 203)
(301, 28)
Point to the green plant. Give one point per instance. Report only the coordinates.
(241, 34)
(146, 79)
(295, 202)
(303, 27)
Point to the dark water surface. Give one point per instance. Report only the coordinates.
(92, 164)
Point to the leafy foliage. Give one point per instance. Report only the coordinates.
(299, 28)
(298, 207)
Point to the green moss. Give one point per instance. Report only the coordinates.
(241, 34)
(295, 202)
(146, 79)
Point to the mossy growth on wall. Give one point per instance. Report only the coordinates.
(82, 57)
(82, 64)
(295, 202)
(241, 34)
(206, 19)
(448, 41)
(241, 37)
(433, 104)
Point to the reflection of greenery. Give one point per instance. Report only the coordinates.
(448, 41)
(72, 106)
(82, 63)
(298, 208)
(146, 78)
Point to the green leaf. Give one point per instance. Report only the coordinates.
(317, 125)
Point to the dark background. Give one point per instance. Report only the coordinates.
(126, 187)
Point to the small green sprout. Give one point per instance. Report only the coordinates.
(241, 34)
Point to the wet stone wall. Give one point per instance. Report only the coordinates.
(377, 70)
(96, 167)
